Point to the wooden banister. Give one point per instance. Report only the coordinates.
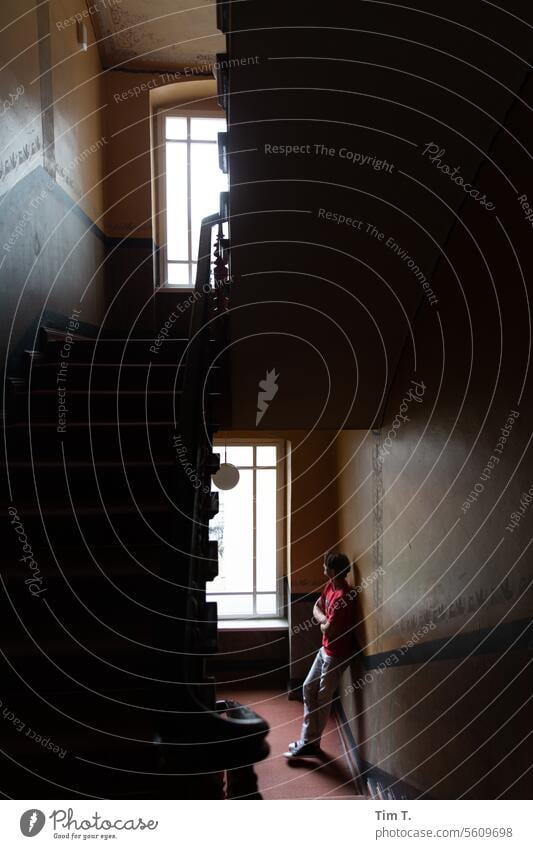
(236, 736)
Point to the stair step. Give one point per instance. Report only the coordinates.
(143, 376)
(81, 441)
(115, 351)
(94, 669)
(122, 488)
(123, 524)
(128, 440)
(100, 617)
(52, 334)
(82, 564)
(92, 509)
(97, 405)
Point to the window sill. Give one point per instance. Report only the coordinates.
(174, 287)
(253, 625)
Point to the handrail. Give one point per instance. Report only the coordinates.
(237, 711)
(195, 364)
(236, 736)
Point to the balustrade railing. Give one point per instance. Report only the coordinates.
(235, 735)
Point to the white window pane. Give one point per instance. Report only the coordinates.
(220, 449)
(206, 129)
(178, 274)
(176, 128)
(233, 605)
(240, 455)
(177, 220)
(266, 529)
(207, 181)
(193, 272)
(266, 605)
(232, 527)
(266, 455)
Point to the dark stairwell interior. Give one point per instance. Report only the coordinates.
(109, 628)
(105, 624)
(395, 310)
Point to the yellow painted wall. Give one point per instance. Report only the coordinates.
(457, 577)
(79, 111)
(132, 99)
(20, 124)
(49, 90)
(78, 101)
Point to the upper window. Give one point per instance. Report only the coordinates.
(249, 528)
(189, 189)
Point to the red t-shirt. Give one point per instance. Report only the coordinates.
(337, 604)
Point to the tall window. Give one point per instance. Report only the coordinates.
(250, 533)
(189, 186)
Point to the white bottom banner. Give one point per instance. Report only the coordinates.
(358, 823)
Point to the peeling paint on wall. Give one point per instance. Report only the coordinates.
(377, 517)
(161, 36)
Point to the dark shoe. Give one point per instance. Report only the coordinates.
(299, 749)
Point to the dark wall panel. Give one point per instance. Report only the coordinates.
(335, 229)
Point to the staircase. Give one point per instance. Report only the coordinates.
(106, 500)
(105, 624)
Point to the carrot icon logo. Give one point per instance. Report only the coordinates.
(32, 822)
(267, 390)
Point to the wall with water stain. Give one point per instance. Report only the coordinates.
(53, 146)
(436, 507)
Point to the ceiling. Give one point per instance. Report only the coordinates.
(158, 35)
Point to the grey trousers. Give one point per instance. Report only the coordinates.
(318, 690)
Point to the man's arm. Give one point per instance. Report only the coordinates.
(318, 612)
(331, 623)
(328, 627)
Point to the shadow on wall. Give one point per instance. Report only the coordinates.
(356, 671)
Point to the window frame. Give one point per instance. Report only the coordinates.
(161, 189)
(281, 528)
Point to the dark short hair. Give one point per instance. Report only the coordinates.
(338, 562)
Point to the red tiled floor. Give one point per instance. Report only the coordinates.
(307, 778)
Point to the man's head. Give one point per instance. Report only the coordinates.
(336, 565)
